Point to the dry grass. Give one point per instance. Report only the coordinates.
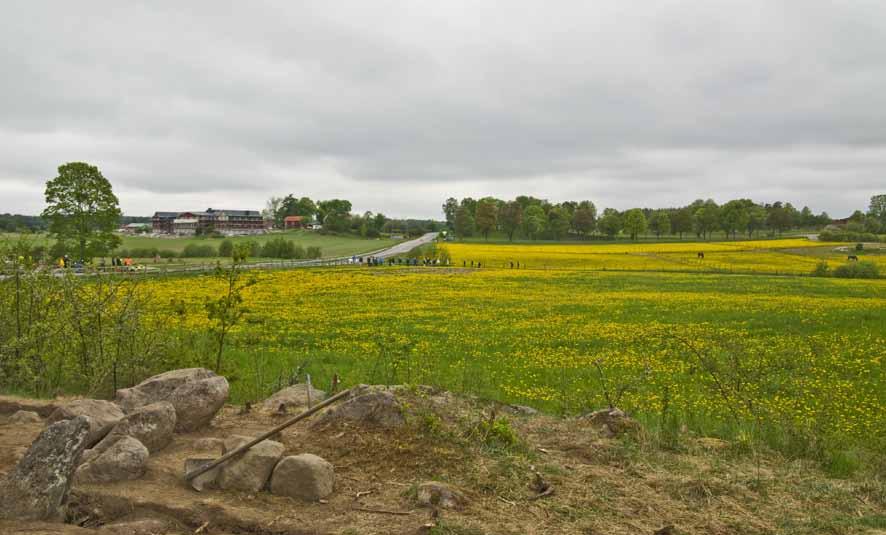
(601, 485)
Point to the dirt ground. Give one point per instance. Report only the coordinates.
(600, 485)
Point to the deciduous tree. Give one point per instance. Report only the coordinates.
(486, 217)
(634, 222)
(82, 210)
(510, 218)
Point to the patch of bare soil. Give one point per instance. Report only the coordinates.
(598, 485)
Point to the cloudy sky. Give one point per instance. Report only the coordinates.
(397, 105)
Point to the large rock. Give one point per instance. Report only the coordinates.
(152, 425)
(159, 387)
(304, 476)
(124, 460)
(197, 402)
(250, 471)
(38, 486)
(370, 405)
(293, 397)
(196, 393)
(103, 415)
(436, 494)
(613, 422)
(25, 417)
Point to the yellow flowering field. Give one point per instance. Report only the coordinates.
(708, 349)
(783, 256)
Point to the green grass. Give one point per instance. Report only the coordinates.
(330, 245)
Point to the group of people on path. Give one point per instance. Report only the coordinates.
(371, 261)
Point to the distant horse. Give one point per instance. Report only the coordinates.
(701, 255)
(852, 257)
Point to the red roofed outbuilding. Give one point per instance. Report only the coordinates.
(293, 221)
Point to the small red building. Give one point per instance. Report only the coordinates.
(293, 221)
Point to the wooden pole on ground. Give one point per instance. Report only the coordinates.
(236, 451)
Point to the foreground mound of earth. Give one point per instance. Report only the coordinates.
(465, 467)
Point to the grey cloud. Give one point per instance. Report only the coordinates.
(397, 104)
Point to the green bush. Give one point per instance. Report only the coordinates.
(225, 248)
(193, 250)
(846, 235)
(314, 252)
(858, 270)
(821, 269)
(168, 253)
(278, 247)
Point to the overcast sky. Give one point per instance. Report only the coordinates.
(398, 105)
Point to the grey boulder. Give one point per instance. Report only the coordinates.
(293, 397)
(306, 476)
(367, 405)
(436, 494)
(159, 387)
(613, 422)
(152, 425)
(126, 459)
(103, 415)
(250, 471)
(197, 402)
(25, 417)
(38, 486)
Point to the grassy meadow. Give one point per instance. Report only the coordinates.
(331, 246)
(724, 354)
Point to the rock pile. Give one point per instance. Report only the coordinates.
(121, 436)
(196, 394)
(306, 476)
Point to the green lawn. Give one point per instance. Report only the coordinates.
(331, 246)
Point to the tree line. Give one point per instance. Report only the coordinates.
(532, 218)
(335, 216)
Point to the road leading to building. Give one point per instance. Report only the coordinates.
(405, 247)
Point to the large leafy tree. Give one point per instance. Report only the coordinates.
(486, 216)
(335, 214)
(734, 216)
(82, 210)
(464, 222)
(610, 223)
(534, 220)
(681, 221)
(706, 218)
(511, 217)
(634, 222)
(877, 209)
(289, 205)
(559, 221)
(660, 223)
(449, 209)
(584, 219)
